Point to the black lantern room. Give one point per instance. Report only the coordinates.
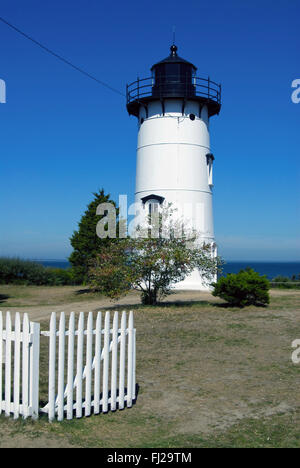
(173, 77)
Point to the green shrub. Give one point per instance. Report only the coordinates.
(281, 279)
(284, 282)
(244, 288)
(17, 271)
(60, 276)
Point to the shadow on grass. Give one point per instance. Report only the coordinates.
(83, 291)
(3, 298)
(178, 305)
(226, 305)
(160, 305)
(44, 401)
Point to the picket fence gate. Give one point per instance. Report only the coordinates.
(91, 369)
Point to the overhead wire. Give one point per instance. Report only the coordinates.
(54, 54)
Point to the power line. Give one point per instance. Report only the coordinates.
(60, 57)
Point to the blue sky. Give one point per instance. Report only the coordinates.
(63, 136)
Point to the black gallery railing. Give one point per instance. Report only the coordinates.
(173, 86)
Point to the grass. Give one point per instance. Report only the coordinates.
(208, 376)
(32, 296)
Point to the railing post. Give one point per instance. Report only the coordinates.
(138, 87)
(186, 85)
(208, 89)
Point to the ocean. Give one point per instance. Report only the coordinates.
(271, 269)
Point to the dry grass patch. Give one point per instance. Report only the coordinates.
(207, 375)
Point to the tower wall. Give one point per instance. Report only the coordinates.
(172, 163)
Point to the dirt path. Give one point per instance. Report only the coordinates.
(69, 300)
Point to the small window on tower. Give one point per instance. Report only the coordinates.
(152, 203)
(210, 159)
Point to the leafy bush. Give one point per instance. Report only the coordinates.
(17, 271)
(244, 288)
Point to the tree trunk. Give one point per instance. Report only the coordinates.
(149, 297)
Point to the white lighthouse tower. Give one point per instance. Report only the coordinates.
(174, 160)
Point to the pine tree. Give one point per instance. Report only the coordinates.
(85, 242)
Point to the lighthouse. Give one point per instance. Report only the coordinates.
(174, 160)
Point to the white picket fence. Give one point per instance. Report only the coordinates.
(91, 369)
(21, 366)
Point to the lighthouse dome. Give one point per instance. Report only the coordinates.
(173, 58)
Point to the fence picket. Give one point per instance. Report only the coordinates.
(79, 365)
(134, 366)
(1, 359)
(25, 367)
(8, 365)
(106, 362)
(34, 369)
(61, 367)
(70, 376)
(97, 372)
(114, 357)
(88, 367)
(122, 361)
(17, 366)
(52, 361)
(130, 361)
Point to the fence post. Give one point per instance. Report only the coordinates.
(34, 369)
